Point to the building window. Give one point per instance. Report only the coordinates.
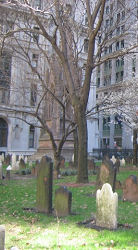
(33, 95)
(105, 50)
(110, 48)
(117, 45)
(106, 123)
(118, 17)
(35, 60)
(134, 65)
(110, 35)
(36, 34)
(3, 133)
(107, 23)
(123, 15)
(117, 63)
(122, 29)
(107, 10)
(122, 44)
(98, 82)
(31, 136)
(111, 21)
(117, 76)
(118, 31)
(37, 4)
(121, 75)
(86, 45)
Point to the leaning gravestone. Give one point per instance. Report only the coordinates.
(106, 207)
(105, 173)
(2, 237)
(130, 189)
(63, 200)
(44, 185)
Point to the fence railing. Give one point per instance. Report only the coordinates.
(121, 153)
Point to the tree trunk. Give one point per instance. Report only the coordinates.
(75, 134)
(56, 166)
(135, 147)
(82, 176)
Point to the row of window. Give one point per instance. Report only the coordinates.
(120, 17)
(119, 45)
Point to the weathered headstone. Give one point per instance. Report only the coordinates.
(1, 172)
(44, 185)
(2, 237)
(113, 159)
(13, 161)
(26, 159)
(117, 164)
(122, 162)
(7, 159)
(105, 173)
(22, 164)
(35, 169)
(8, 172)
(130, 189)
(106, 207)
(63, 200)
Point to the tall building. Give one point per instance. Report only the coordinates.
(118, 33)
(25, 81)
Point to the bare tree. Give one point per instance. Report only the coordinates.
(69, 37)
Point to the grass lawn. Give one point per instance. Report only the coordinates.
(28, 230)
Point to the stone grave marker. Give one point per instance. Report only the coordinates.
(13, 161)
(8, 172)
(26, 159)
(7, 159)
(35, 169)
(44, 185)
(105, 173)
(117, 164)
(22, 164)
(106, 207)
(130, 189)
(113, 159)
(122, 162)
(63, 200)
(2, 237)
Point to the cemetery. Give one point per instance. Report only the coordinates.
(39, 211)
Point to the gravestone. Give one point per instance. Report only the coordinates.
(34, 170)
(26, 159)
(1, 172)
(44, 186)
(117, 164)
(7, 159)
(8, 172)
(91, 164)
(13, 161)
(106, 173)
(2, 237)
(130, 189)
(106, 207)
(122, 162)
(22, 164)
(113, 159)
(63, 200)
